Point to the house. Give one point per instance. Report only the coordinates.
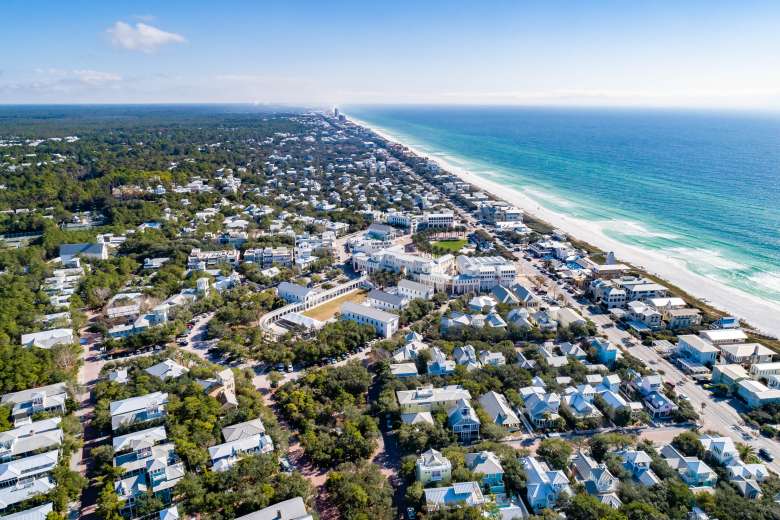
(694, 472)
(487, 464)
(167, 369)
(69, 252)
(747, 478)
(488, 358)
(606, 352)
(572, 350)
(137, 410)
(417, 418)
(156, 470)
(404, 370)
(647, 384)
(386, 301)
(463, 420)
(697, 349)
(756, 394)
(637, 462)
(460, 494)
(520, 318)
(579, 403)
(384, 323)
(40, 512)
(504, 295)
(25, 478)
(544, 320)
(439, 365)
(432, 466)
(30, 438)
(466, 356)
(414, 290)
(764, 370)
(382, 231)
(243, 430)
(746, 353)
(294, 293)
(527, 298)
(659, 405)
(542, 408)
(500, 411)
(596, 478)
(224, 456)
(723, 336)
(138, 442)
(614, 403)
(482, 304)
(729, 375)
(222, 387)
(291, 509)
(494, 321)
(684, 318)
(428, 398)
(543, 485)
(567, 317)
(410, 350)
(457, 319)
(26, 403)
(721, 449)
(48, 338)
(647, 315)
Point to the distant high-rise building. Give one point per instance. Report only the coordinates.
(336, 111)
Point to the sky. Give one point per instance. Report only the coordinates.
(327, 53)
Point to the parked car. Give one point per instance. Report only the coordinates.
(764, 454)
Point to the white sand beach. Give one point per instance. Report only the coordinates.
(761, 314)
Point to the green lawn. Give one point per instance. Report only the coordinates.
(450, 245)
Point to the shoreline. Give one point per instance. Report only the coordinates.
(760, 314)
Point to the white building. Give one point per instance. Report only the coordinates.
(384, 323)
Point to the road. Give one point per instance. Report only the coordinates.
(717, 414)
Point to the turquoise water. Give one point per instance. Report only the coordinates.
(702, 187)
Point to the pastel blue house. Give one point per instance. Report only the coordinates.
(606, 352)
(487, 464)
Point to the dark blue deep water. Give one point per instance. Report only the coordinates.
(702, 187)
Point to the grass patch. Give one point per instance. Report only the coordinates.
(453, 245)
(327, 310)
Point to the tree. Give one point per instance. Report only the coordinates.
(275, 378)
(588, 507)
(360, 492)
(602, 443)
(689, 444)
(556, 452)
(746, 452)
(108, 503)
(642, 511)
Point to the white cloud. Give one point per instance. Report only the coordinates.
(141, 37)
(95, 78)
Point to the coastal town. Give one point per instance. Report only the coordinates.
(286, 316)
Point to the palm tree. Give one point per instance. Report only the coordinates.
(746, 452)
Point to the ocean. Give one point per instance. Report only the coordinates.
(700, 187)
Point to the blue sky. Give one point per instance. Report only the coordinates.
(693, 53)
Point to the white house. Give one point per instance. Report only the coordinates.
(136, 410)
(48, 338)
(414, 290)
(384, 323)
(498, 408)
(432, 466)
